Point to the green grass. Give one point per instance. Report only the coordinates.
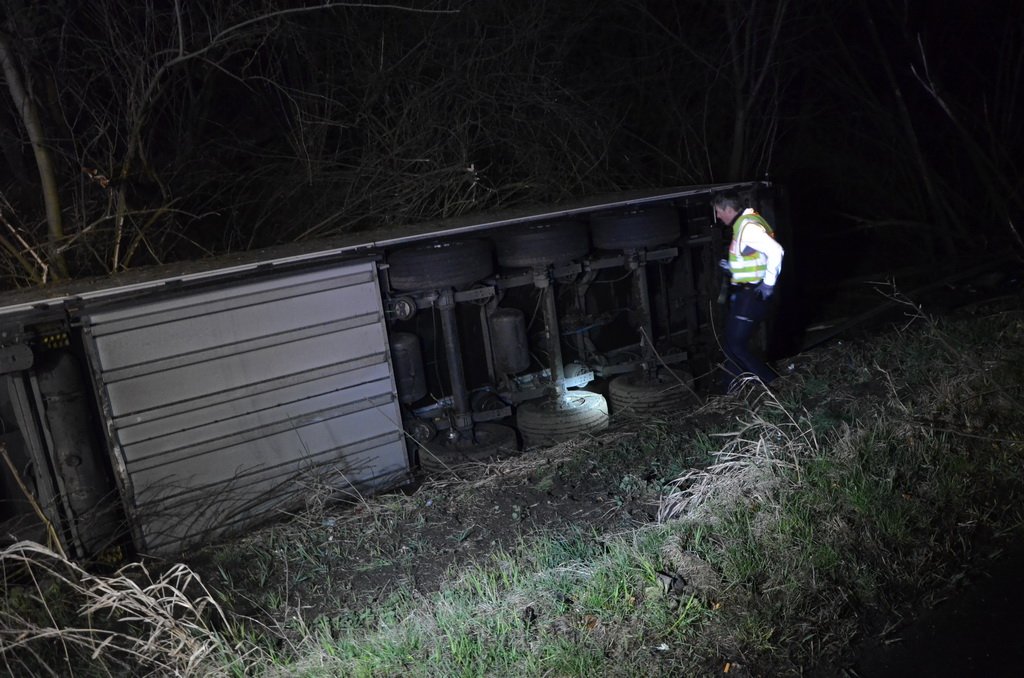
(791, 531)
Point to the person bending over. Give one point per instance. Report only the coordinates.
(755, 261)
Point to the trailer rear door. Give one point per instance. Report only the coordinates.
(225, 406)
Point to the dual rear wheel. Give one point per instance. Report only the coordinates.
(552, 420)
(639, 393)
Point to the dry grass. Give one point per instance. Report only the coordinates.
(855, 491)
(765, 451)
(127, 622)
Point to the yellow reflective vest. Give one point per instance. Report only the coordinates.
(747, 268)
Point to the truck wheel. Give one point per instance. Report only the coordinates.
(635, 229)
(440, 263)
(638, 393)
(542, 244)
(552, 420)
(491, 440)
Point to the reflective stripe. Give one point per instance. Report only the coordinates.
(747, 268)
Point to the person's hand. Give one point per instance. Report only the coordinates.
(764, 291)
(724, 265)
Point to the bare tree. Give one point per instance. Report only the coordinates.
(753, 32)
(115, 78)
(184, 129)
(987, 126)
(720, 70)
(25, 104)
(918, 143)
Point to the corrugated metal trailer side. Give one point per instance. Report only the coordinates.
(191, 401)
(223, 405)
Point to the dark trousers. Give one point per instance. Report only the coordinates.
(746, 311)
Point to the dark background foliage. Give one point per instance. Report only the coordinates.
(176, 130)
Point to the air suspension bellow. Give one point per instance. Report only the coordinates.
(410, 375)
(510, 344)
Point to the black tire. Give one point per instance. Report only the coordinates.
(491, 440)
(551, 420)
(545, 244)
(440, 263)
(635, 229)
(639, 394)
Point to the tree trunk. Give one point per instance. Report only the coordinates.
(739, 145)
(938, 205)
(30, 118)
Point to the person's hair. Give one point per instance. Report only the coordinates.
(727, 199)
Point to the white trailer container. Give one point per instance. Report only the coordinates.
(169, 407)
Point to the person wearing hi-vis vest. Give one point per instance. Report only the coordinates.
(755, 261)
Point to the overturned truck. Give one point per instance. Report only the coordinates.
(168, 407)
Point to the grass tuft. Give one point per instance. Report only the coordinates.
(762, 532)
